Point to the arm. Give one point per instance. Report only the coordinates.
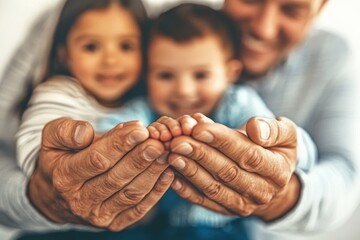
(16, 211)
(334, 126)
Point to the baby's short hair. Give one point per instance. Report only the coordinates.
(188, 21)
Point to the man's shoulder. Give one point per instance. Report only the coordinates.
(323, 43)
(322, 50)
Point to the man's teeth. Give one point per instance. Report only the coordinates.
(254, 43)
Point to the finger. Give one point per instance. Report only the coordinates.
(101, 155)
(172, 125)
(272, 132)
(271, 163)
(213, 189)
(164, 131)
(201, 118)
(188, 192)
(126, 170)
(154, 133)
(67, 134)
(227, 171)
(187, 124)
(134, 214)
(130, 195)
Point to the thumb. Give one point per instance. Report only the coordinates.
(272, 132)
(65, 133)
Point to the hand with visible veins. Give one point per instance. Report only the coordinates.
(110, 182)
(234, 173)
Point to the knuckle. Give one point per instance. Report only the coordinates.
(78, 208)
(213, 190)
(253, 160)
(261, 195)
(160, 187)
(227, 146)
(139, 164)
(138, 212)
(245, 212)
(153, 170)
(201, 154)
(119, 145)
(97, 161)
(248, 189)
(191, 172)
(242, 208)
(229, 173)
(100, 220)
(196, 199)
(263, 198)
(112, 182)
(283, 179)
(129, 197)
(60, 182)
(133, 195)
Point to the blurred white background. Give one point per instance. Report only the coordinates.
(342, 16)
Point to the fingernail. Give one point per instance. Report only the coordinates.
(264, 130)
(205, 137)
(191, 122)
(179, 163)
(137, 137)
(163, 158)
(80, 133)
(151, 153)
(165, 177)
(176, 185)
(183, 148)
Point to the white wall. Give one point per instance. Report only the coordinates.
(340, 16)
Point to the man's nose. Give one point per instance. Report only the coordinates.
(266, 24)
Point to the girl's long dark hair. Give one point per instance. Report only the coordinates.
(71, 11)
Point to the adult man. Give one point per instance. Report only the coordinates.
(308, 76)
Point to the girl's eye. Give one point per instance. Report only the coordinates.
(127, 46)
(165, 75)
(201, 75)
(91, 47)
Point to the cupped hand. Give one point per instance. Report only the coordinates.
(110, 182)
(239, 174)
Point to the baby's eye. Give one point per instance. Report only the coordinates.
(165, 75)
(201, 75)
(91, 47)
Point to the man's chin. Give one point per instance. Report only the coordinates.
(256, 70)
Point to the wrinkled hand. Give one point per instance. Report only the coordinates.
(110, 182)
(238, 174)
